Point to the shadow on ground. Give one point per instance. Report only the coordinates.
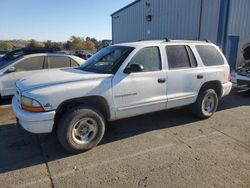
(20, 149)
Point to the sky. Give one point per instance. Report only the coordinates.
(57, 20)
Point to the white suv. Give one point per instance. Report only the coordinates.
(121, 81)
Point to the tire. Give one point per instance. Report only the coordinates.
(80, 129)
(206, 104)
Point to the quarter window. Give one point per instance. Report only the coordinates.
(149, 58)
(177, 57)
(210, 55)
(59, 62)
(74, 63)
(30, 64)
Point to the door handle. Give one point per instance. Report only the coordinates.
(200, 76)
(161, 80)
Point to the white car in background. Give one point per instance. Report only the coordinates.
(11, 71)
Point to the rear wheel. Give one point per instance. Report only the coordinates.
(206, 104)
(81, 129)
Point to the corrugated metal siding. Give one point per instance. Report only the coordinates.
(175, 19)
(129, 24)
(210, 19)
(170, 19)
(239, 23)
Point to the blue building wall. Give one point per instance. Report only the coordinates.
(224, 22)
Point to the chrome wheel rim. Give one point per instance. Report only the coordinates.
(209, 104)
(84, 131)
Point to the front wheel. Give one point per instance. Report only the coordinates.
(80, 129)
(206, 104)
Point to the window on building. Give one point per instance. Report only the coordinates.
(149, 58)
(177, 57)
(59, 62)
(30, 64)
(210, 55)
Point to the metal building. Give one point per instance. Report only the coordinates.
(224, 22)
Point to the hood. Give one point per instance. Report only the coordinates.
(57, 76)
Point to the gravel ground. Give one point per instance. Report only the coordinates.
(164, 149)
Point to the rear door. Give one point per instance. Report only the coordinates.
(185, 75)
(55, 62)
(23, 68)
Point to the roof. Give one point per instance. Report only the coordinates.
(79, 60)
(129, 5)
(158, 42)
(46, 54)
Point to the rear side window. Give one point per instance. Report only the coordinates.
(59, 62)
(73, 63)
(149, 58)
(210, 55)
(191, 57)
(177, 57)
(30, 64)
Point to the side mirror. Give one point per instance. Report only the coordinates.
(11, 69)
(133, 68)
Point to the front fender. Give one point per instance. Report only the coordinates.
(51, 97)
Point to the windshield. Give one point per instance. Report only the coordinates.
(107, 60)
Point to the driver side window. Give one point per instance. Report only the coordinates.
(149, 58)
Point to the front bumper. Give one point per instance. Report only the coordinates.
(33, 122)
(226, 88)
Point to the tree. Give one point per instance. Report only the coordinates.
(76, 43)
(17, 46)
(54, 45)
(48, 44)
(8, 46)
(35, 44)
(89, 45)
(95, 42)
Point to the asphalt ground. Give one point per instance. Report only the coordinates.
(163, 149)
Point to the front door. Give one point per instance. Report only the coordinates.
(141, 92)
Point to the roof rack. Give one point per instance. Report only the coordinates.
(167, 40)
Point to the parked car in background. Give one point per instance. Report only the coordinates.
(83, 54)
(11, 71)
(118, 82)
(10, 56)
(241, 76)
(2, 53)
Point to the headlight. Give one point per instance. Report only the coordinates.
(31, 105)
